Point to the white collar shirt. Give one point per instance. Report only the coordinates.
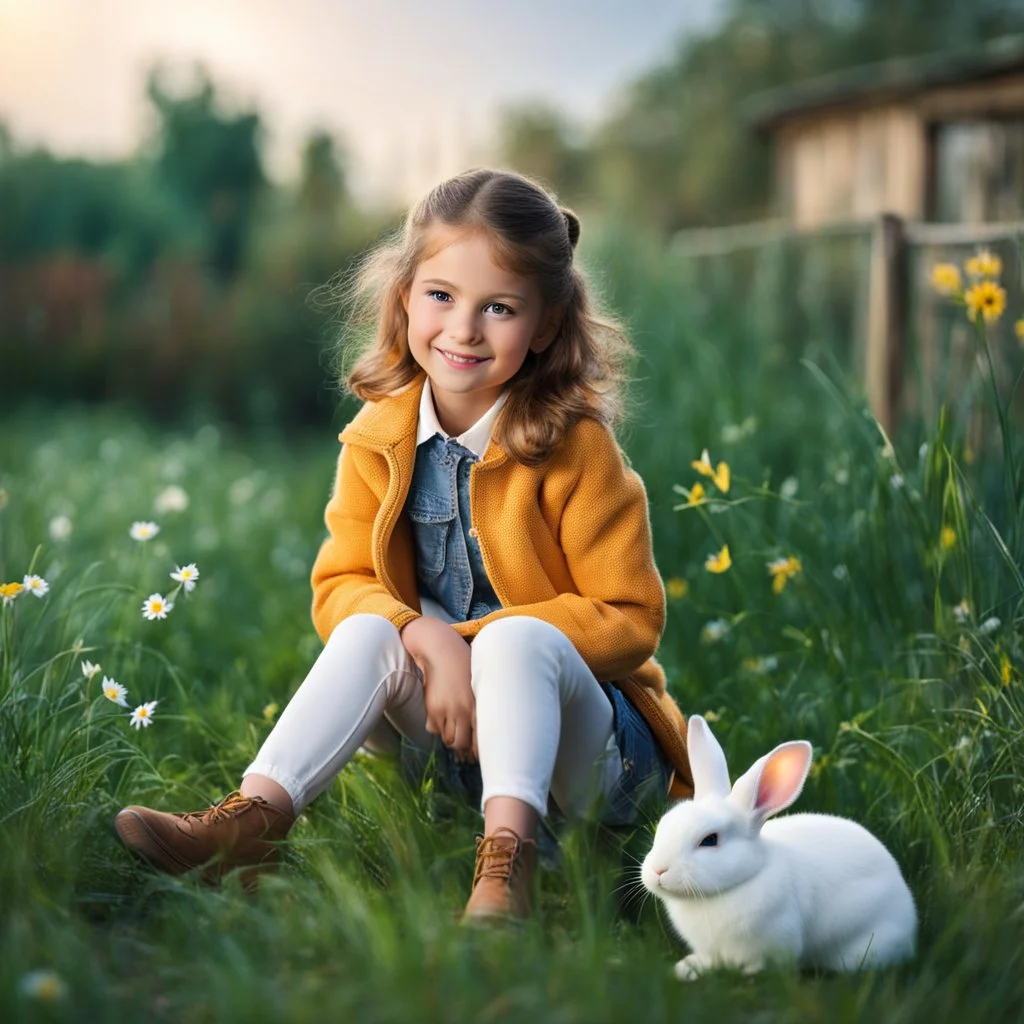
(476, 439)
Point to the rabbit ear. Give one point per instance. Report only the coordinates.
(773, 782)
(707, 760)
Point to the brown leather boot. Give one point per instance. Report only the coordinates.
(240, 831)
(503, 879)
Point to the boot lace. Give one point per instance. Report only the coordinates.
(496, 857)
(231, 806)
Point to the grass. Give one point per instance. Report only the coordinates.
(896, 653)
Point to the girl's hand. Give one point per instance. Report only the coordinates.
(443, 658)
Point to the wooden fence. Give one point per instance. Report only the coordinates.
(900, 305)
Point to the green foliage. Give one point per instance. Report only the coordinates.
(881, 649)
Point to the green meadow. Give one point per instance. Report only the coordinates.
(892, 640)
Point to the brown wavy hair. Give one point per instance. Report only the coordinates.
(581, 373)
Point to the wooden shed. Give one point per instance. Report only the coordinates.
(934, 138)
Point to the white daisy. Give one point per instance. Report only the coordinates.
(990, 625)
(60, 528)
(143, 530)
(171, 499)
(89, 669)
(143, 714)
(962, 612)
(789, 488)
(114, 691)
(156, 606)
(36, 585)
(44, 985)
(714, 630)
(186, 575)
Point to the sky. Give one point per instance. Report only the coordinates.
(412, 88)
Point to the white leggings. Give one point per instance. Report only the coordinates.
(544, 725)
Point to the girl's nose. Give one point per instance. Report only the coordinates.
(464, 330)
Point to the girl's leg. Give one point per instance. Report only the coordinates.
(529, 681)
(544, 725)
(363, 672)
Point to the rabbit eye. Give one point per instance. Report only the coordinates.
(710, 840)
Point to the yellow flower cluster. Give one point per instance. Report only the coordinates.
(782, 570)
(719, 474)
(984, 264)
(676, 588)
(1005, 669)
(985, 296)
(719, 563)
(946, 279)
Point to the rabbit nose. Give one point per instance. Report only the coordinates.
(660, 871)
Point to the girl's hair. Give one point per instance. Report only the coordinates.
(579, 374)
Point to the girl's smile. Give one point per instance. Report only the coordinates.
(460, 362)
(472, 323)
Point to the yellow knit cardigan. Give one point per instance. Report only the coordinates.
(568, 542)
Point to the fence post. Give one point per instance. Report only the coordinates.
(887, 317)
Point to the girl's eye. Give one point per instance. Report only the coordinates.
(710, 840)
(500, 309)
(439, 295)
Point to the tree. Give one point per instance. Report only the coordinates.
(322, 184)
(212, 161)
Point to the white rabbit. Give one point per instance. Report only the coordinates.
(811, 888)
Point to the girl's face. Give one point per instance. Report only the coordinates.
(471, 324)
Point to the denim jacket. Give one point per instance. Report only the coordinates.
(449, 566)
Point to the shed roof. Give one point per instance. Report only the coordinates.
(883, 80)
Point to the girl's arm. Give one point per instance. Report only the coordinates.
(344, 579)
(616, 619)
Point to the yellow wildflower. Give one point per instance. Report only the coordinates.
(946, 278)
(1018, 328)
(720, 473)
(984, 264)
(947, 539)
(782, 570)
(676, 588)
(986, 298)
(720, 562)
(1005, 669)
(270, 711)
(696, 495)
(9, 591)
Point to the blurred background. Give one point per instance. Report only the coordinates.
(177, 181)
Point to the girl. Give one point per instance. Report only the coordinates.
(488, 577)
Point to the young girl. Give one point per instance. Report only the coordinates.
(488, 578)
